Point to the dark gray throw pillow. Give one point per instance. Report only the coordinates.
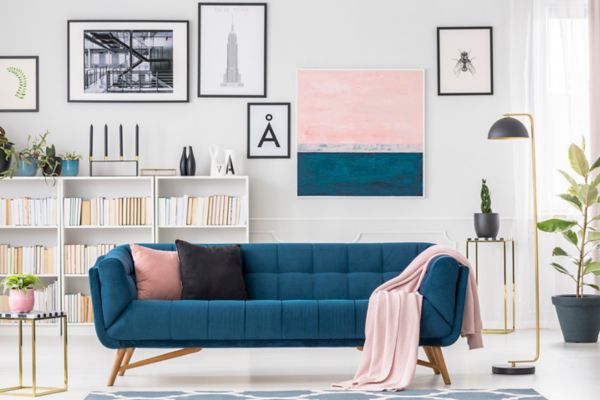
(211, 272)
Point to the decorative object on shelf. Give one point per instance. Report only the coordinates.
(50, 163)
(34, 318)
(5, 154)
(487, 223)
(465, 61)
(213, 151)
(19, 85)
(511, 128)
(21, 288)
(476, 242)
(228, 67)
(183, 162)
(26, 158)
(229, 162)
(121, 160)
(158, 172)
(579, 314)
(268, 130)
(150, 61)
(191, 162)
(70, 164)
(369, 144)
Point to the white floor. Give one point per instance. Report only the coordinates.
(566, 372)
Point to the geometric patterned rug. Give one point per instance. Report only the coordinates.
(415, 394)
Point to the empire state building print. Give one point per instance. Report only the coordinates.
(232, 76)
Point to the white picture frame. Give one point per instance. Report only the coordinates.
(19, 84)
(232, 49)
(268, 130)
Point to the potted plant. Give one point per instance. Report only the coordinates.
(70, 164)
(579, 313)
(49, 162)
(27, 158)
(21, 288)
(5, 153)
(487, 223)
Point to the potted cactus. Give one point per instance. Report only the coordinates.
(70, 164)
(487, 223)
(5, 153)
(579, 313)
(21, 288)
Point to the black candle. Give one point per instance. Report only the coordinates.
(137, 140)
(121, 141)
(91, 141)
(105, 141)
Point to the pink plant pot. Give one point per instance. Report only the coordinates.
(21, 301)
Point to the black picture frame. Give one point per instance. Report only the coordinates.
(289, 135)
(37, 83)
(491, 41)
(187, 64)
(264, 93)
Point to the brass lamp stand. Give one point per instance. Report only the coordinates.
(511, 128)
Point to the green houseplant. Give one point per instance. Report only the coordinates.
(21, 288)
(579, 313)
(5, 153)
(487, 223)
(27, 158)
(49, 162)
(70, 164)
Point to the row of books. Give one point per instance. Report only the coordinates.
(211, 210)
(38, 260)
(78, 308)
(79, 258)
(28, 212)
(102, 211)
(48, 299)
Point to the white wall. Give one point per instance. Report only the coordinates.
(301, 33)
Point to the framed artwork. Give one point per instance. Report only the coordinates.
(232, 50)
(465, 61)
(19, 85)
(124, 61)
(268, 130)
(360, 132)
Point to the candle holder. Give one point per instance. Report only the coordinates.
(121, 160)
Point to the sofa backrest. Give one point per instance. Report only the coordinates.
(299, 271)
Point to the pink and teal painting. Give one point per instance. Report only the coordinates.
(360, 132)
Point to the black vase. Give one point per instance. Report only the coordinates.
(487, 225)
(191, 162)
(183, 162)
(4, 163)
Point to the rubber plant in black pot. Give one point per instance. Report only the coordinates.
(578, 314)
(5, 153)
(487, 223)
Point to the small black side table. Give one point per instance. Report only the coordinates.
(33, 317)
(504, 242)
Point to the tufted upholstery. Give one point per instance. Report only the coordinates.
(299, 295)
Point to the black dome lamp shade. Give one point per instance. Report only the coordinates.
(508, 128)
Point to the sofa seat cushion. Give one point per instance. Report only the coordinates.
(235, 320)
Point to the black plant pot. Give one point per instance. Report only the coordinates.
(579, 318)
(487, 225)
(53, 168)
(4, 163)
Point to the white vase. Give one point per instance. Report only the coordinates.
(230, 164)
(213, 151)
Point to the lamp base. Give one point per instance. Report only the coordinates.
(508, 369)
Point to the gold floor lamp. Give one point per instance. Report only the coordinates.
(511, 128)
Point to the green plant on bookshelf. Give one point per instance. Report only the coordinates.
(22, 282)
(5, 153)
(49, 162)
(27, 159)
(71, 156)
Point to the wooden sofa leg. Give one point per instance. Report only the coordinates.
(431, 358)
(116, 366)
(441, 364)
(126, 360)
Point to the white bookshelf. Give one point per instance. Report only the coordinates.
(91, 187)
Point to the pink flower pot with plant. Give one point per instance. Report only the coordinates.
(21, 288)
(21, 301)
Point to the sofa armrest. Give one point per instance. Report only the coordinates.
(114, 276)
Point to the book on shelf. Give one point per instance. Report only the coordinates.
(211, 210)
(79, 258)
(78, 307)
(28, 211)
(37, 260)
(103, 211)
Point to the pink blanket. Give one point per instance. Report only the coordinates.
(389, 355)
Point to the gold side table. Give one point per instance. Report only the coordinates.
(33, 317)
(504, 242)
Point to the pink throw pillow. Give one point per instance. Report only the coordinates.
(157, 273)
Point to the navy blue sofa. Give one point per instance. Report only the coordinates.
(300, 295)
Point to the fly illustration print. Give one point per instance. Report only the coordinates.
(464, 63)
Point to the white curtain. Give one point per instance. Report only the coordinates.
(550, 79)
(594, 46)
